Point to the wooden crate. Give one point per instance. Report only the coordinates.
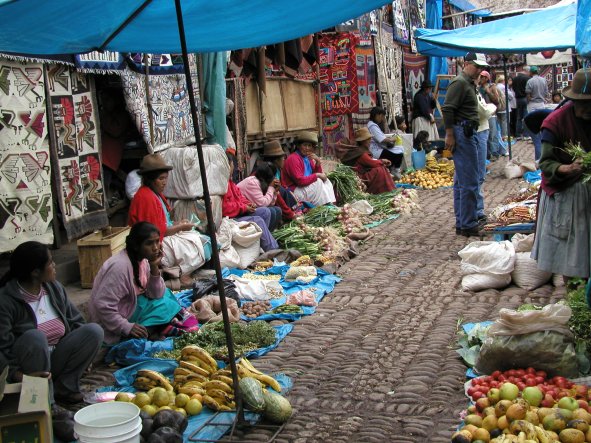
(96, 248)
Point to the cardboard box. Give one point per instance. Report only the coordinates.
(25, 413)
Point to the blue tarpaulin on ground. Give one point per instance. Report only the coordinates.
(550, 28)
(533, 176)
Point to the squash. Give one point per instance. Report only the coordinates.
(277, 407)
(252, 393)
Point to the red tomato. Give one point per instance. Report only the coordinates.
(477, 395)
(541, 374)
(542, 388)
(502, 378)
(495, 375)
(561, 383)
(530, 382)
(487, 379)
(539, 379)
(520, 372)
(520, 385)
(512, 379)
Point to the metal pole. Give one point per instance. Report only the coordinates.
(210, 221)
(507, 107)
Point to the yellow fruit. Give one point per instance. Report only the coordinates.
(181, 400)
(481, 434)
(490, 422)
(502, 423)
(151, 392)
(473, 419)
(150, 410)
(123, 396)
(197, 397)
(571, 436)
(171, 396)
(181, 410)
(160, 397)
(142, 399)
(163, 408)
(470, 428)
(193, 407)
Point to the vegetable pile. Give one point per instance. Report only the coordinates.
(254, 309)
(576, 151)
(347, 184)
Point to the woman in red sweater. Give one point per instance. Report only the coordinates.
(373, 173)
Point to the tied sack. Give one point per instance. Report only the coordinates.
(513, 170)
(526, 274)
(487, 265)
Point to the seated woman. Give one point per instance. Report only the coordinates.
(373, 173)
(181, 246)
(262, 189)
(274, 153)
(238, 207)
(42, 333)
(302, 173)
(129, 299)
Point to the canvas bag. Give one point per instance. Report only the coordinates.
(487, 257)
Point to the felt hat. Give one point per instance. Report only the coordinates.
(273, 149)
(426, 84)
(477, 59)
(153, 162)
(580, 88)
(362, 134)
(307, 136)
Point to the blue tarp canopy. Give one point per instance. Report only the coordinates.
(583, 37)
(465, 5)
(76, 27)
(550, 28)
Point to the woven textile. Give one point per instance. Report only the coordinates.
(389, 68)
(416, 18)
(236, 92)
(366, 87)
(25, 191)
(338, 74)
(415, 70)
(74, 133)
(400, 29)
(171, 110)
(335, 129)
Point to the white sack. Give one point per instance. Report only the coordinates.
(526, 274)
(255, 290)
(239, 243)
(133, 182)
(523, 242)
(184, 249)
(553, 317)
(488, 257)
(513, 170)
(184, 181)
(480, 282)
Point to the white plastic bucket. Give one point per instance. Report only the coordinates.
(111, 422)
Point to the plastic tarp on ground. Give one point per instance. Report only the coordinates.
(550, 28)
(125, 377)
(324, 283)
(75, 27)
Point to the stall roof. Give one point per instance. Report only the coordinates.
(465, 5)
(76, 27)
(583, 42)
(550, 28)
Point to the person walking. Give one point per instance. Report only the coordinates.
(536, 91)
(460, 117)
(512, 108)
(519, 83)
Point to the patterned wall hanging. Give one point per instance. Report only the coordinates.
(400, 28)
(389, 68)
(75, 147)
(338, 74)
(366, 79)
(335, 129)
(171, 110)
(25, 192)
(415, 69)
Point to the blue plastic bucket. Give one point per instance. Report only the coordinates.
(419, 159)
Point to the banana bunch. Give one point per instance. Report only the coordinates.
(443, 166)
(146, 379)
(246, 369)
(525, 432)
(219, 395)
(200, 357)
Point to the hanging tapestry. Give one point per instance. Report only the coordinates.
(366, 87)
(100, 62)
(338, 74)
(235, 90)
(365, 30)
(171, 124)
(415, 69)
(400, 20)
(389, 68)
(496, 60)
(75, 145)
(25, 192)
(334, 129)
(416, 18)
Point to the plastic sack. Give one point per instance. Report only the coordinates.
(513, 170)
(487, 257)
(552, 317)
(133, 182)
(303, 298)
(526, 274)
(523, 242)
(362, 206)
(256, 290)
(209, 308)
(201, 288)
(480, 282)
(298, 272)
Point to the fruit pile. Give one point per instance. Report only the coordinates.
(427, 180)
(553, 389)
(254, 309)
(519, 420)
(443, 166)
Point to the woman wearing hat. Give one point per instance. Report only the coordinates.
(564, 218)
(274, 153)
(302, 172)
(373, 173)
(423, 105)
(182, 247)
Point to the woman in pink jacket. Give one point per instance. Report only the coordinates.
(261, 189)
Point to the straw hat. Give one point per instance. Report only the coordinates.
(580, 88)
(362, 134)
(307, 136)
(153, 162)
(273, 149)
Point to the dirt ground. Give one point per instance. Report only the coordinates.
(376, 362)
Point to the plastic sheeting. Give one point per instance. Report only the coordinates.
(465, 5)
(551, 28)
(184, 181)
(583, 28)
(74, 27)
(323, 284)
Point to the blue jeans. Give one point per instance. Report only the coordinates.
(494, 149)
(465, 179)
(521, 111)
(482, 138)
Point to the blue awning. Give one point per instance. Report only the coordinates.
(465, 5)
(584, 28)
(550, 28)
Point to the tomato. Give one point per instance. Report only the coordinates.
(541, 374)
(542, 388)
(530, 370)
(539, 379)
(495, 375)
(562, 394)
(477, 395)
(561, 383)
(502, 378)
(512, 379)
(520, 372)
(471, 391)
(530, 382)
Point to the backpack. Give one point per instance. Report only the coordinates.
(502, 106)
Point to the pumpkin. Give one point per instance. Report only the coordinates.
(252, 393)
(277, 407)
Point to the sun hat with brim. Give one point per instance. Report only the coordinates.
(153, 162)
(273, 149)
(580, 88)
(477, 59)
(307, 136)
(362, 134)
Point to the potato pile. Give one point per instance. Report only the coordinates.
(254, 309)
(427, 180)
